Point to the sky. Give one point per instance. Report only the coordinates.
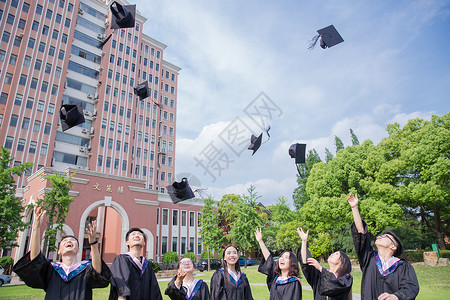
(245, 65)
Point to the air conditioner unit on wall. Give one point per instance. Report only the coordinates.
(162, 150)
(82, 149)
(80, 11)
(92, 131)
(90, 96)
(85, 131)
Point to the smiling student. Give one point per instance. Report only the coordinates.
(133, 276)
(384, 275)
(184, 285)
(282, 276)
(68, 279)
(229, 283)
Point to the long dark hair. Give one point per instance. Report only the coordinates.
(293, 268)
(224, 264)
(346, 265)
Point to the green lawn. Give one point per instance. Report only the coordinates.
(434, 284)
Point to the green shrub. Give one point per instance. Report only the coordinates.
(190, 255)
(170, 257)
(413, 256)
(155, 266)
(6, 261)
(204, 255)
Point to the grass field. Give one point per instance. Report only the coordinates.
(434, 284)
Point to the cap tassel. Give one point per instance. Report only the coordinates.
(313, 42)
(100, 46)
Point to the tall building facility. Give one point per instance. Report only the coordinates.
(50, 55)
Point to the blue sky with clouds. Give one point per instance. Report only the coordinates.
(394, 65)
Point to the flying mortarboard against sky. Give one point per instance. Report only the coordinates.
(141, 90)
(71, 115)
(297, 151)
(180, 191)
(255, 143)
(329, 37)
(122, 16)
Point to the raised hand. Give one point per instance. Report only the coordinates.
(38, 215)
(353, 200)
(92, 231)
(302, 234)
(314, 263)
(258, 235)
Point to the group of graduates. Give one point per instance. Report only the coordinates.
(384, 275)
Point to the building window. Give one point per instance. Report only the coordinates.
(108, 162)
(163, 245)
(33, 83)
(191, 219)
(183, 245)
(41, 105)
(21, 145)
(47, 128)
(165, 214)
(183, 218)
(174, 244)
(18, 100)
(33, 146)
(175, 217)
(25, 123)
(30, 102)
(124, 165)
(8, 142)
(44, 148)
(37, 126)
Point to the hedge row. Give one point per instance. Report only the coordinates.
(417, 256)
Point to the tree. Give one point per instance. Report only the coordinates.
(338, 143)
(328, 155)
(320, 245)
(244, 226)
(300, 195)
(210, 232)
(280, 212)
(228, 211)
(355, 140)
(287, 237)
(11, 208)
(56, 202)
(418, 170)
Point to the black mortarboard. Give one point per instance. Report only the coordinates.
(123, 16)
(141, 90)
(180, 191)
(255, 143)
(329, 37)
(71, 115)
(297, 151)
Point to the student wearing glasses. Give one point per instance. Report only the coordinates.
(385, 276)
(184, 285)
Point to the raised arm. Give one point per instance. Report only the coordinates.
(304, 237)
(264, 250)
(35, 243)
(353, 201)
(95, 253)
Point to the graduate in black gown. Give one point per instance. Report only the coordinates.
(282, 275)
(384, 275)
(69, 279)
(184, 286)
(133, 276)
(229, 283)
(333, 284)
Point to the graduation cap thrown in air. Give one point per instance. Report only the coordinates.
(297, 151)
(141, 90)
(329, 37)
(71, 115)
(255, 143)
(180, 191)
(123, 16)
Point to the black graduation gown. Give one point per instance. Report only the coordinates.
(174, 293)
(325, 284)
(226, 289)
(402, 280)
(41, 274)
(128, 281)
(290, 289)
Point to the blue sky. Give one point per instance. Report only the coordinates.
(394, 65)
